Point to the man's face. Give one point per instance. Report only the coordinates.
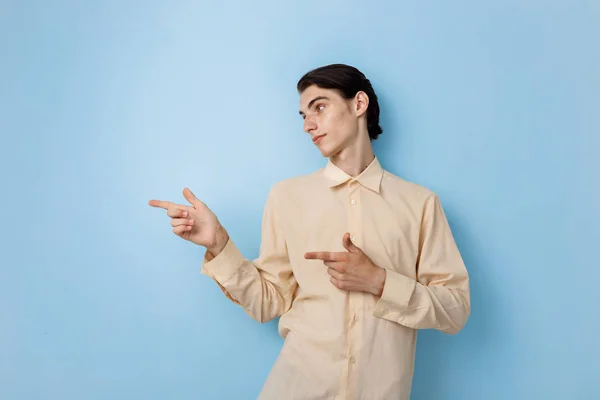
(328, 119)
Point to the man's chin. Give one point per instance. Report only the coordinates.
(327, 152)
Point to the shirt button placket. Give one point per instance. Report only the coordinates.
(355, 229)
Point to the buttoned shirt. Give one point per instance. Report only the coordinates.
(344, 344)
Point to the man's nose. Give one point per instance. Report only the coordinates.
(309, 125)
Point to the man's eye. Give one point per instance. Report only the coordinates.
(320, 107)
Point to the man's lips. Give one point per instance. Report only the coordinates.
(317, 138)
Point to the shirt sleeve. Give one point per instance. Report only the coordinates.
(265, 286)
(440, 296)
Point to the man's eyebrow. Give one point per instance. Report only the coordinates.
(313, 101)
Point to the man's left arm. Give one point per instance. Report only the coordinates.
(440, 296)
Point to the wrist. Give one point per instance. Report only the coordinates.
(221, 239)
(379, 281)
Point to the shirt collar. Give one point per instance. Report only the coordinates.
(369, 178)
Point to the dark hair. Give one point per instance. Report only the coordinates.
(347, 81)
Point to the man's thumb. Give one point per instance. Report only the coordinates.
(189, 196)
(348, 245)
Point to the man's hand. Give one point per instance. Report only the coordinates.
(352, 270)
(196, 223)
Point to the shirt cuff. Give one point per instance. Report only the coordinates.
(396, 295)
(225, 264)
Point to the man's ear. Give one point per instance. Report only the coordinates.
(361, 103)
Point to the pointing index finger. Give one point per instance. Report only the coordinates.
(325, 256)
(160, 204)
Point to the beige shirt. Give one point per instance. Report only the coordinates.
(340, 344)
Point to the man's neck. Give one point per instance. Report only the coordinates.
(354, 160)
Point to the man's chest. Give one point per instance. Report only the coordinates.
(386, 229)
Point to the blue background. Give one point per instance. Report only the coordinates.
(106, 105)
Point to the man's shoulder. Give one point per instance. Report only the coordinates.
(403, 187)
(299, 182)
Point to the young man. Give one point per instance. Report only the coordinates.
(353, 258)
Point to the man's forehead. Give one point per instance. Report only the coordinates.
(314, 91)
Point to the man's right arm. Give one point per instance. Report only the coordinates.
(264, 287)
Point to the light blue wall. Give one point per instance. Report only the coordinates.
(105, 105)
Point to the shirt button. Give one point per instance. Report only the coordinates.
(352, 360)
(353, 202)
